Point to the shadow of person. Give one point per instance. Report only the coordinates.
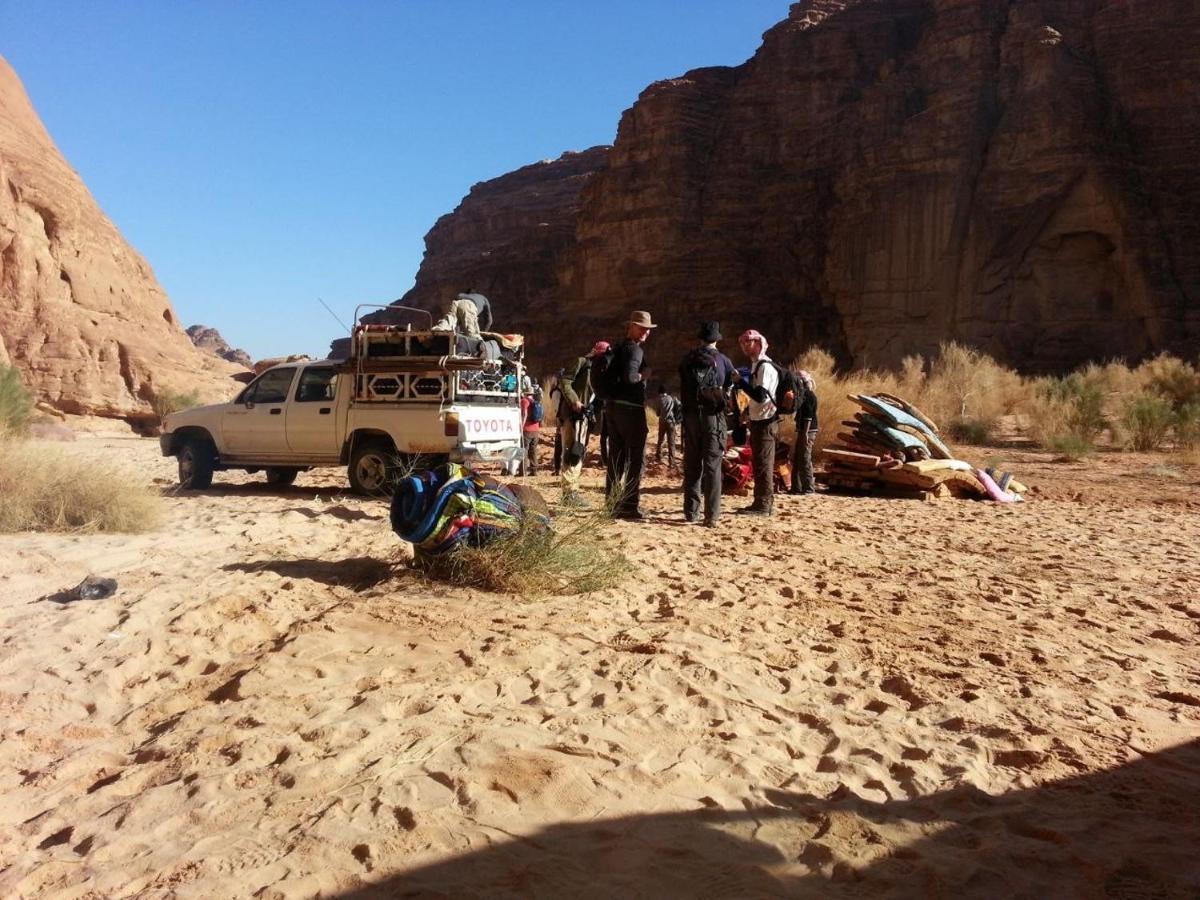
(358, 573)
(260, 489)
(1127, 832)
(337, 511)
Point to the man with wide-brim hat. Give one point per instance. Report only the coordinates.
(705, 375)
(625, 416)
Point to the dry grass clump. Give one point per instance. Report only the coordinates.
(574, 557)
(48, 490)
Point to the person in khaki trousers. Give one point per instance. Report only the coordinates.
(575, 394)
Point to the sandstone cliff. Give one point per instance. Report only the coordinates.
(1019, 175)
(81, 314)
(210, 341)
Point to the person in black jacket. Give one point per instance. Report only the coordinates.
(625, 416)
(806, 433)
(704, 426)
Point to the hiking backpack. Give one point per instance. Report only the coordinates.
(787, 390)
(702, 379)
(536, 412)
(601, 377)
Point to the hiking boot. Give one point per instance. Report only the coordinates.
(632, 515)
(710, 523)
(754, 509)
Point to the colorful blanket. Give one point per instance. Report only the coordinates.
(451, 505)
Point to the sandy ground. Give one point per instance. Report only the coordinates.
(859, 698)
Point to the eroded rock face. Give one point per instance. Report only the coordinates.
(81, 314)
(1019, 175)
(210, 341)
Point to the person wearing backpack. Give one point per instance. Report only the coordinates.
(768, 392)
(668, 411)
(705, 375)
(806, 434)
(575, 397)
(624, 389)
(531, 427)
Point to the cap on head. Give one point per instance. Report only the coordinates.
(641, 318)
(710, 332)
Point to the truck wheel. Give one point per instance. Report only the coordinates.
(281, 477)
(372, 468)
(196, 460)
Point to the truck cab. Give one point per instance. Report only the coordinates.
(403, 400)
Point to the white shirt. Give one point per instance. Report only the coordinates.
(763, 375)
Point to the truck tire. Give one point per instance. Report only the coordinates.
(372, 468)
(280, 476)
(196, 461)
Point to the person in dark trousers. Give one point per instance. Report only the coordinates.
(559, 411)
(704, 425)
(668, 411)
(764, 421)
(806, 434)
(625, 417)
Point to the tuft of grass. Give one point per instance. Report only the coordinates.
(42, 489)
(168, 402)
(573, 558)
(16, 406)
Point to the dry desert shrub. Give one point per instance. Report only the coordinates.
(16, 406)
(574, 557)
(1147, 420)
(167, 402)
(42, 489)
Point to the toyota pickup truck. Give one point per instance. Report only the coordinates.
(404, 399)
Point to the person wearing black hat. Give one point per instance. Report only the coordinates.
(625, 416)
(705, 376)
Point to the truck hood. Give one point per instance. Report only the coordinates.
(195, 415)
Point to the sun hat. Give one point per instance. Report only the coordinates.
(710, 332)
(641, 318)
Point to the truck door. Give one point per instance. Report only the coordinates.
(312, 414)
(253, 426)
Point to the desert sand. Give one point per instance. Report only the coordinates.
(859, 698)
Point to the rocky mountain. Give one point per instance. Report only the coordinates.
(210, 341)
(81, 314)
(1019, 175)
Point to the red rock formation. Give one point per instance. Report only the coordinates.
(1019, 175)
(81, 314)
(210, 341)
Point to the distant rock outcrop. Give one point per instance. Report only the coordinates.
(81, 314)
(1019, 175)
(210, 341)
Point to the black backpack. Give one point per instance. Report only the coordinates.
(602, 386)
(787, 390)
(702, 383)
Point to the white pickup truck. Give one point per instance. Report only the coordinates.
(404, 399)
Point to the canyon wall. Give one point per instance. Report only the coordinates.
(1018, 175)
(81, 314)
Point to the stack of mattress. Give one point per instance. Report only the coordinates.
(892, 449)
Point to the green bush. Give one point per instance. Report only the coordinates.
(971, 431)
(1070, 446)
(168, 402)
(1187, 425)
(16, 406)
(1148, 419)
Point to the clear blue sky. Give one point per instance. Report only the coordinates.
(263, 154)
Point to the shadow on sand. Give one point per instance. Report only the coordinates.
(261, 489)
(357, 573)
(1128, 832)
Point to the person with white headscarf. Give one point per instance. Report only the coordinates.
(764, 421)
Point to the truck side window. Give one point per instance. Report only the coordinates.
(272, 387)
(316, 385)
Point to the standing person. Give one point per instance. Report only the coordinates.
(668, 411)
(806, 434)
(704, 377)
(625, 416)
(557, 410)
(531, 428)
(764, 421)
(575, 394)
